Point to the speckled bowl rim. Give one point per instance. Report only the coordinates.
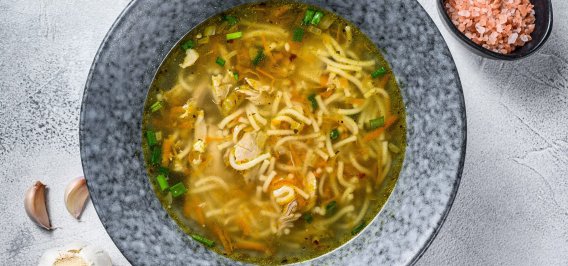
(438, 225)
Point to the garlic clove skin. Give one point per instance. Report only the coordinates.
(76, 195)
(75, 254)
(35, 205)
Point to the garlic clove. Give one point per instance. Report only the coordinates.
(76, 195)
(75, 254)
(36, 208)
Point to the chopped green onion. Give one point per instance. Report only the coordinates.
(308, 17)
(178, 189)
(334, 134)
(156, 106)
(164, 171)
(379, 72)
(317, 17)
(376, 123)
(298, 35)
(151, 137)
(203, 240)
(162, 182)
(220, 61)
(330, 207)
(258, 58)
(358, 228)
(308, 218)
(312, 99)
(232, 20)
(234, 35)
(188, 45)
(156, 155)
(236, 75)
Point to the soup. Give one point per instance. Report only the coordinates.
(274, 132)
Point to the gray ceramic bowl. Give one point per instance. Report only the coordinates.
(123, 69)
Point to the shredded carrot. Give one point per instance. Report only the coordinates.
(185, 125)
(355, 101)
(223, 237)
(192, 210)
(251, 245)
(167, 151)
(377, 132)
(265, 73)
(323, 80)
(383, 81)
(343, 82)
(266, 48)
(212, 139)
(244, 225)
(326, 93)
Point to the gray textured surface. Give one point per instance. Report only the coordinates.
(512, 205)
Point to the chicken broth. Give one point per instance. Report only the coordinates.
(274, 132)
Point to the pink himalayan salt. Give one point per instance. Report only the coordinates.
(497, 25)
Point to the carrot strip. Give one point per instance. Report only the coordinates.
(326, 93)
(224, 238)
(265, 73)
(244, 225)
(377, 132)
(355, 101)
(343, 82)
(251, 245)
(266, 48)
(211, 139)
(323, 80)
(167, 151)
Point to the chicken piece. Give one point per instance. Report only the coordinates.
(247, 148)
(220, 89)
(191, 57)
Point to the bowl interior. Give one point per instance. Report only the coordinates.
(110, 131)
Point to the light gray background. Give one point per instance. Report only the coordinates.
(511, 208)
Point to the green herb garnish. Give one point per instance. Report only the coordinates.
(358, 228)
(203, 240)
(308, 218)
(317, 18)
(234, 35)
(330, 207)
(308, 16)
(298, 35)
(232, 20)
(334, 134)
(188, 45)
(178, 189)
(151, 137)
(164, 171)
(313, 101)
(162, 182)
(220, 61)
(379, 72)
(376, 123)
(236, 75)
(258, 58)
(156, 106)
(156, 155)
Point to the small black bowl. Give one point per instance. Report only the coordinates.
(543, 28)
